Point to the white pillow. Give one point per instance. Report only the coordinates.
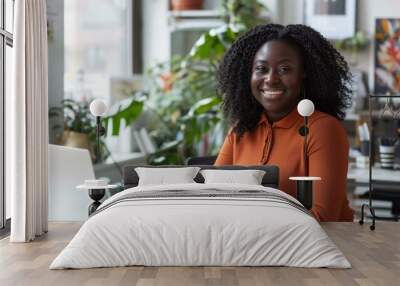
(249, 177)
(163, 176)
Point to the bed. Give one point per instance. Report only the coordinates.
(201, 223)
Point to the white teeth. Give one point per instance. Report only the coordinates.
(271, 94)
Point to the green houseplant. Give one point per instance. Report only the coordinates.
(78, 126)
(128, 110)
(183, 92)
(243, 13)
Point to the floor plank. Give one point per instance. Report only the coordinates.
(374, 255)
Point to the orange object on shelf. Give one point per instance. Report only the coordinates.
(179, 5)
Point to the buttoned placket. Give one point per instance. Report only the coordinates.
(267, 144)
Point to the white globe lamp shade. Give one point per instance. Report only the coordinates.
(98, 107)
(305, 107)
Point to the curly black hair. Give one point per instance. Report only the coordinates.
(326, 83)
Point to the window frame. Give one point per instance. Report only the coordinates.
(6, 39)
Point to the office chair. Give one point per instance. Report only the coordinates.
(201, 160)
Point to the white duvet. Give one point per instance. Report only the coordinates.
(200, 231)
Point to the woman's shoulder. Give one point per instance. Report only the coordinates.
(326, 128)
(324, 120)
(322, 124)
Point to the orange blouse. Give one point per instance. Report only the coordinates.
(281, 144)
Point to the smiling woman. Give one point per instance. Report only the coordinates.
(263, 77)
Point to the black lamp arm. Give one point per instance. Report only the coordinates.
(305, 144)
(304, 187)
(304, 132)
(100, 130)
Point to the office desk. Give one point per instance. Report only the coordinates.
(362, 175)
(386, 189)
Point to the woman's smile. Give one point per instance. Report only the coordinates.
(272, 94)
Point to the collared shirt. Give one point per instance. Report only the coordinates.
(281, 144)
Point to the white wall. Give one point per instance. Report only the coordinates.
(369, 10)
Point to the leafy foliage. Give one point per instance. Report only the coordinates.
(128, 110)
(243, 13)
(183, 92)
(77, 116)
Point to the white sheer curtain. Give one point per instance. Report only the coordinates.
(28, 122)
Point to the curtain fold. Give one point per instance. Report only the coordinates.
(28, 126)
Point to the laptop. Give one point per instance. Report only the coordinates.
(68, 168)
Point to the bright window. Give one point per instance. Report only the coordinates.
(97, 43)
(8, 89)
(6, 43)
(9, 15)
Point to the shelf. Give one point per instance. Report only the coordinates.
(195, 14)
(195, 24)
(198, 19)
(194, 20)
(206, 14)
(378, 174)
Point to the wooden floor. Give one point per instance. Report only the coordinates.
(375, 257)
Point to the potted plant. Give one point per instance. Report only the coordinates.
(78, 125)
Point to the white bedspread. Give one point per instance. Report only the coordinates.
(200, 231)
